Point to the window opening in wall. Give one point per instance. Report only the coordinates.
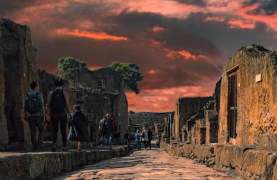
(232, 101)
(101, 83)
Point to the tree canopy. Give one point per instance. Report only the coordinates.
(67, 63)
(145, 124)
(131, 74)
(131, 112)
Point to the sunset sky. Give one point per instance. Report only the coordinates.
(179, 45)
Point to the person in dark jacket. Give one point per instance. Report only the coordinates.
(109, 129)
(80, 123)
(57, 108)
(126, 136)
(150, 134)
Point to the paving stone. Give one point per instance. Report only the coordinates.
(146, 165)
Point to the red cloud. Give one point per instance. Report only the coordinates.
(161, 100)
(158, 28)
(185, 54)
(92, 35)
(218, 19)
(151, 72)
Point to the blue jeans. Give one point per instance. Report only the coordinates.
(138, 145)
(109, 137)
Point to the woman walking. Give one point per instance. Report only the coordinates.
(81, 125)
(137, 139)
(144, 136)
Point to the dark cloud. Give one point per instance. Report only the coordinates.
(267, 7)
(261, 27)
(200, 3)
(213, 40)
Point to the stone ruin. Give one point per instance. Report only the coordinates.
(155, 120)
(98, 91)
(18, 60)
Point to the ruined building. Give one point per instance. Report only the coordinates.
(18, 67)
(154, 120)
(99, 92)
(185, 108)
(248, 97)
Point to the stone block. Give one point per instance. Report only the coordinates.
(229, 156)
(259, 163)
(14, 167)
(65, 159)
(78, 159)
(52, 165)
(36, 164)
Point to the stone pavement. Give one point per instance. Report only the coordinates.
(149, 164)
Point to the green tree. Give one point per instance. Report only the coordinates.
(131, 74)
(67, 63)
(145, 124)
(131, 112)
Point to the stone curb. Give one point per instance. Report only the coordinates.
(248, 162)
(44, 165)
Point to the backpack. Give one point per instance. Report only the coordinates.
(57, 101)
(32, 103)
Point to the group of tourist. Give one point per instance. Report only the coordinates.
(145, 136)
(57, 111)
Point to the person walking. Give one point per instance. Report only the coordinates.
(57, 108)
(144, 136)
(35, 115)
(137, 139)
(118, 138)
(150, 134)
(126, 136)
(108, 129)
(102, 138)
(80, 122)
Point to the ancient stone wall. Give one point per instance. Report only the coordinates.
(256, 97)
(185, 108)
(3, 122)
(211, 118)
(151, 118)
(217, 95)
(100, 91)
(20, 68)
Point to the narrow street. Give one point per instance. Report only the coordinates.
(146, 164)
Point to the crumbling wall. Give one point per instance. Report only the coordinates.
(3, 122)
(256, 101)
(211, 118)
(187, 107)
(103, 86)
(20, 68)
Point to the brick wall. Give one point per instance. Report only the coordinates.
(256, 101)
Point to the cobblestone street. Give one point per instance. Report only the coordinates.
(149, 164)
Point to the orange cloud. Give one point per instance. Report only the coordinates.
(214, 19)
(185, 54)
(162, 100)
(151, 71)
(241, 24)
(158, 28)
(270, 20)
(92, 35)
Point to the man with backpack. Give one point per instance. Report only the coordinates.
(35, 114)
(57, 108)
